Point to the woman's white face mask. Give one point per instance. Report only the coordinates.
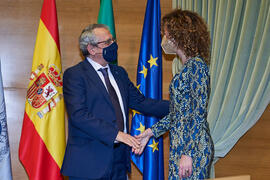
(168, 46)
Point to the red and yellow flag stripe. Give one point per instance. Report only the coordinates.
(42, 143)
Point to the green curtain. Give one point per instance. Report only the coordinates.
(240, 65)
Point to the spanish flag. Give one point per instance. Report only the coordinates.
(42, 143)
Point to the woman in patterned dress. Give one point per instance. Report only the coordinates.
(191, 146)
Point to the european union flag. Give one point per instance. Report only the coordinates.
(149, 82)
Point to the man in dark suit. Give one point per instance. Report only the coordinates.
(98, 96)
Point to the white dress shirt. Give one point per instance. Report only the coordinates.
(97, 66)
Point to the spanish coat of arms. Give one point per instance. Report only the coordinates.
(43, 89)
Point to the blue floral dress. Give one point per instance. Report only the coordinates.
(187, 120)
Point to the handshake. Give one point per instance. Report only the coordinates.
(137, 143)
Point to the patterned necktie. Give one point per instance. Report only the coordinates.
(114, 99)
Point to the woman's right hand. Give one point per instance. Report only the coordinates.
(143, 138)
(185, 166)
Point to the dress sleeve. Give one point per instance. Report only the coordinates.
(179, 85)
(161, 126)
(198, 99)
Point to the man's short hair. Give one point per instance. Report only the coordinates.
(88, 37)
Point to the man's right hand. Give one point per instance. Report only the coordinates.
(128, 139)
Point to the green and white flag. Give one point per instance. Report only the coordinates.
(106, 17)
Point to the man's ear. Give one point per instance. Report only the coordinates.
(90, 49)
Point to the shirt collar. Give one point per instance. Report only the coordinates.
(95, 65)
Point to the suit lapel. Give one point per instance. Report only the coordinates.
(95, 79)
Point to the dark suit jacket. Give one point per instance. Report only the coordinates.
(92, 122)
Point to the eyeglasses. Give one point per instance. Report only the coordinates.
(107, 42)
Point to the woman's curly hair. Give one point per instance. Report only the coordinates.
(189, 32)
